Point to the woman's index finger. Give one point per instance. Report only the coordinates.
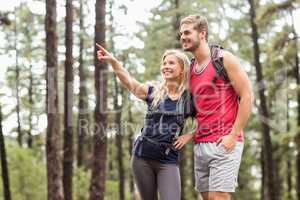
(101, 48)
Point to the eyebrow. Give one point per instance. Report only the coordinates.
(185, 31)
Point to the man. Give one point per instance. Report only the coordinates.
(223, 108)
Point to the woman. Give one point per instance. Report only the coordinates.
(155, 152)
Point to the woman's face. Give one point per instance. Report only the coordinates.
(171, 69)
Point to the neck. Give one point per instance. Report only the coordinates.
(202, 53)
(172, 87)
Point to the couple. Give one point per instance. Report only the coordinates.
(220, 105)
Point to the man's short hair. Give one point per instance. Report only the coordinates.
(200, 23)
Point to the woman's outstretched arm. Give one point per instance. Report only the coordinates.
(140, 90)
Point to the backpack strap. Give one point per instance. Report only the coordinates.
(140, 139)
(217, 61)
(180, 115)
(192, 63)
(180, 110)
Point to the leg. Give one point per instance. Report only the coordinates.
(201, 170)
(203, 196)
(145, 178)
(168, 181)
(219, 196)
(223, 172)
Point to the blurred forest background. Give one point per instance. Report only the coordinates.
(66, 125)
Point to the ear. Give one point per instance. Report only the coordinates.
(202, 35)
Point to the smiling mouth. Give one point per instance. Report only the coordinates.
(185, 43)
(167, 72)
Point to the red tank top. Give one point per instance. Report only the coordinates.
(216, 103)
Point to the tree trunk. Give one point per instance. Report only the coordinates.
(119, 143)
(83, 115)
(28, 50)
(4, 167)
(97, 187)
(119, 140)
(297, 78)
(130, 142)
(289, 179)
(20, 136)
(289, 162)
(277, 176)
(118, 116)
(176, 23)
(111, 162)
(263, 193)
(111, 33)
(193, 172)
(53, 145)
(68, 114)
(30, 96)
(264, 116)
(4, 20)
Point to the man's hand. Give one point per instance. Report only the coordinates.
(228, 141)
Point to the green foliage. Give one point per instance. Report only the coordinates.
(27, 172)
(249, 174)
(112, 190)
(81, 182)
(269, 12)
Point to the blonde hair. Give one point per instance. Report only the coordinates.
(200, 23)
(161, 90)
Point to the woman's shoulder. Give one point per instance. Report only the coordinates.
(151, 90)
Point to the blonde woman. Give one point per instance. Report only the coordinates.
(155, 152)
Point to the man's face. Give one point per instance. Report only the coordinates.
(189, 37)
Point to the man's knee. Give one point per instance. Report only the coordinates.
(219, 196)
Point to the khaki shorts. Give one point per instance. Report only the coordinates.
(215, 169)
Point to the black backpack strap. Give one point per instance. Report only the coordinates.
(180, 110)
(180, 115)
(142, 135)
(181, 107)
(192, 62)
(140, 139)
(217, 61)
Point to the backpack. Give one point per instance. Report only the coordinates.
(180, 113)
(217, 61)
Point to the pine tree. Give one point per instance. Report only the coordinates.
(97, 187)
(53, 147)
(68, 115)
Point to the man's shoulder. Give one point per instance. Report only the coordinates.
(228, 58)
(227, 54)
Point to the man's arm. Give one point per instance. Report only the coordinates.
(243, 88)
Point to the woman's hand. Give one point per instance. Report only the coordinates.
(182, 140)
(138, 89)
(104, 55)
